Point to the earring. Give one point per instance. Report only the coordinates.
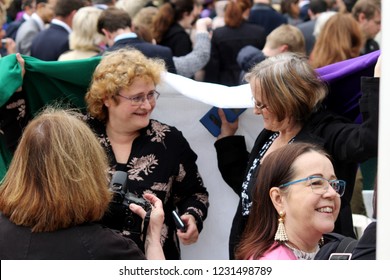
(281, 234)
(322, 241)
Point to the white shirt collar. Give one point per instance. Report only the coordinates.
(26, 16)
(61, 23)
(125, 36)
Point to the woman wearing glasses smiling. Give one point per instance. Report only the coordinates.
(296, 200)
(156, 156)
(288, 93)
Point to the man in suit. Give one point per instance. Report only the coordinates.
(264, 15)
(115, 25)
(44, 13)
(49, 44)
(368, 14)
(316, 7)
(28, 8)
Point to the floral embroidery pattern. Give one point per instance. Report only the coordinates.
(195, 210)
(154, 166)
(202, 198)
(157, 133)
(21, 105)
(144, 164)
(103, 140)
(182, 173)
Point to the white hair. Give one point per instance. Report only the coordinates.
(320, 22)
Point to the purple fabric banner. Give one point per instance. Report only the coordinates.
(343, 79)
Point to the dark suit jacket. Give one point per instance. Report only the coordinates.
(266, 16)
(148, 49)
(226, 43)
(307, 29)
(348, 144)
(49, 44)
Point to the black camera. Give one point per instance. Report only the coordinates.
(130, 223)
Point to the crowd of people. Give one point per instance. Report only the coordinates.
(294, 185)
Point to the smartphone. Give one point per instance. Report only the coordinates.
(179, 222)
(340, 256)
(4, 43)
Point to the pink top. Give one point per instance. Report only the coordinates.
(278, 252)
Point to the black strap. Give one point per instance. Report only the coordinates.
(146, 225)
(347, 244)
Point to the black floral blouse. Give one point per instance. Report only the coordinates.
(161, 162)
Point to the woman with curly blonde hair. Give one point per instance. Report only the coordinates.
(156, 156)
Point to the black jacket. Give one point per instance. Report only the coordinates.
(266, 16)
(366, 246)
(83, 242)
(225, 46)
(248, 57)
(148, 49)
(49, 44)
(348, 144)
(177, 39)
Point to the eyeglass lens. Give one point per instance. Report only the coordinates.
(320, 185)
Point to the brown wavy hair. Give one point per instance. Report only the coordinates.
(58, 175)
(288, 85)
(234, 11)
(340, 39)
(276, 169)
(168, 14)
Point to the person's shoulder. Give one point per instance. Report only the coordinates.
(306, 25)
(169, 131)
(335, 243)
(160, 48)
(28, 24)
(255, 27)
(105, 243)
(278, 252)
(158, 125)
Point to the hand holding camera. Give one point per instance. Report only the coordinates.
(131, 224)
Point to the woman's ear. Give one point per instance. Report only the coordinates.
(106, 102)
(276, 198)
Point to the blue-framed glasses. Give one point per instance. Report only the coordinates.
(320, 185)
(140, 99)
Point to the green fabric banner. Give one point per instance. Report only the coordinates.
(44, 82)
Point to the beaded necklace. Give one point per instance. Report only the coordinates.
(302, 255)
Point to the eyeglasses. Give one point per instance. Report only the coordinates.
(320, 185)
(139, 100)
(259, 105)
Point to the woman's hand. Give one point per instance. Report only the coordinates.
(191, 234)
(20, 59)
(153, 248)
(10, 46)
(378, 66)
(204, 24)
(227, 128)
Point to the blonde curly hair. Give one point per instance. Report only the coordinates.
(116, 71)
